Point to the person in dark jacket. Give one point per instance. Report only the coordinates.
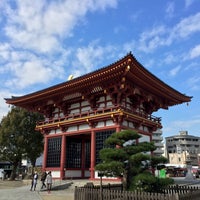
(43, 178)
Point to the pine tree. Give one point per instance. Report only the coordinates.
(126, 157)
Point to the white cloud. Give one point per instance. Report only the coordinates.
(134, 16)
(170, 58)
(4, 53)
(195, 52)
(4, 107)
(30, 70)
(194, 83)
(170, 9)
(129, 46)
(187, 26)
(119, 29)
(188, 3)
(164, 36)
(24, 68)
(38, 25)
(153, 38)
(89, 57)
(174, 71)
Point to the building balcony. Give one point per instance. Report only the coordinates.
(100, 114)
(158, 144)
(157, 138)
(159, 151)
(182, 142)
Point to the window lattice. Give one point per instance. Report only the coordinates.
(53, 152)
(100, 138)
(87, 154)
(74, 152)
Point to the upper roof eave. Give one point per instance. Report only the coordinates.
(77, 82)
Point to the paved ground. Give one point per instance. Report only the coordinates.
(20, 190)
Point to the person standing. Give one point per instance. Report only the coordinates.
(43, 178)
(49, 181)
(34, 181)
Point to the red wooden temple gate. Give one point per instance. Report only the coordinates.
(81, 113)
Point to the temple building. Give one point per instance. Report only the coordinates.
(82, 112)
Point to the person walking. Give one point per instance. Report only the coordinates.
(34, 181)
(43, 178)
(49, 181)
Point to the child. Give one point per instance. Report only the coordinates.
(49, 181)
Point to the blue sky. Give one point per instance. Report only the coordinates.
(42, 42)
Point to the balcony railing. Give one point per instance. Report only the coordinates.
(102, 111)
(157, 138)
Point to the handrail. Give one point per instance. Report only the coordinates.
(97, 112)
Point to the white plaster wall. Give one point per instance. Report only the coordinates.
(100, 124)
(55, 174)
(145, 128)
(56, 110)
(61, 114)
(52, 132)
(104, 177)
(74, 111)
(87, 173)
(71, 173)
(131, 125)
(141, 128)
(109, 103)
(75, 105)
(128, 100)
(72, 128)
(58, 130)
(125, 123)
(84, 109)
(84, 126)
(101, 105)
(56, 115)
(109, 123)
(108, 97)
(101, 99)
(84, 103)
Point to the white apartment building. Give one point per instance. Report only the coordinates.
(183, 149)
(158, 141)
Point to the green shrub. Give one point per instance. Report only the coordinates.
(149, 183)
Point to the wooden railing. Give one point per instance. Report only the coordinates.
(98, 112)
(114, 192)
(97, 194)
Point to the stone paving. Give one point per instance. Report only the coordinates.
(21, 191)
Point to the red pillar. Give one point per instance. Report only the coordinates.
(118, 128)
(93, 152)
(62, 159)
(45, 152)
